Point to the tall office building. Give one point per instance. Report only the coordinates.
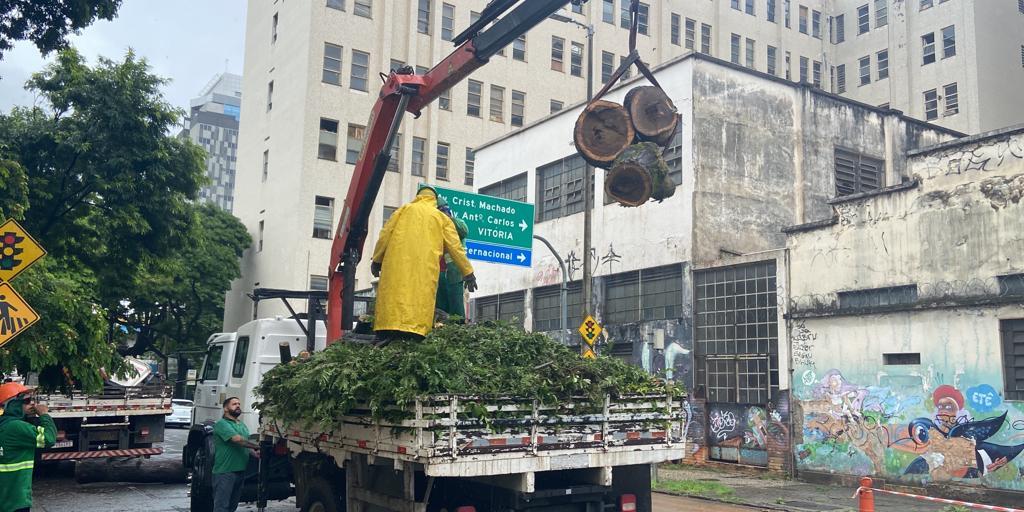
(213, 124)
(311, 79)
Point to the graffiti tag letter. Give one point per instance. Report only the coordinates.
(722, 423)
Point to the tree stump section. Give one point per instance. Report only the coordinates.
(603, 131)
(654, 116)
(638, 175)
(138, 470)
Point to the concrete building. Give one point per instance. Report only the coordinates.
(213, 124)
(310, 77)
(906, 321)
(695, 286)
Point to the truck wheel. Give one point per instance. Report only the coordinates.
(320, 497)
(201, 487)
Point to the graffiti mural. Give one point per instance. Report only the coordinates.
(744, 433)
(940, 434)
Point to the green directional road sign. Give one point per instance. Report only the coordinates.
(500, 230)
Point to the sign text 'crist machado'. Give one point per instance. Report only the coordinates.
(500, 230)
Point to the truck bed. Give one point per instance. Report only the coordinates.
(114, 400)
(443, 434)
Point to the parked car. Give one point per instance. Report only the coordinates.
(181, 413)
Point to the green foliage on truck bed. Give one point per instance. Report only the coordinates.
(490, 359)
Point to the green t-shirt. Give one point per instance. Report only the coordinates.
(230, 457)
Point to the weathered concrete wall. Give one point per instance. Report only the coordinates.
(944, 421)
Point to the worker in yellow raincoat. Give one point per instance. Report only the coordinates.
(407, 260)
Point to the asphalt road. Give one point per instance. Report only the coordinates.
(55, 490)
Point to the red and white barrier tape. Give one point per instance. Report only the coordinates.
(941, 500)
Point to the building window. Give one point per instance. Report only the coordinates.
(518, 107)
(419, 156)
(555, 106)
(802, 26)
(395, 162)
(926, 4)
(443, 151)
(423, 17)
(735, 4)
(626, 73)
(519, 48)
(863, 20)
(507, 307)
(881, 13)
(576, 59)
(266, 164)
(607, 66)
(877, 297)
(577, 9)
(691, 33)
(332, 64)
(883, 64)
(497, 113)
(560, 188)
(259, 239)
(473, 100)
(786, 13)
(273, 29)
(470, 167)
(771, 10)
(750, 53)
(547, 310)
(513, 188)
(444, 101)
(1011, 285)
(323, 213)
(674, 158)
(1012, 334)
(772, 57)
(734, 52)
(841, 78)
(318, 283)
(803, 69)
(901, 358)
(816, 74)
(948, 42)
(328, 144)
(270, 95)
(856, 172)
(736, 333)
(1020, 6)
(643, 13)
(557, 53)
(356, 136)
(705, 38)
(336, 4)
(816, 24)
(447, 21)
(840, 31)
(865, 70)
(625, 20)
(675, 35)
(931, 105)
(927, 49)
(608, 11)
(749, 7)
(363, 8)
(360, 70)
(952, 100)
(789, 66)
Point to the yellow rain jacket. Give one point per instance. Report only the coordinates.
(409, 250)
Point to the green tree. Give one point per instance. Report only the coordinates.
(47, 23)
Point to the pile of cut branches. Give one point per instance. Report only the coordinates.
(480, 360)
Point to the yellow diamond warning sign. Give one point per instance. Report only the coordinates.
(590, 330)
(15, 314)
(18, 250)
(588, 353)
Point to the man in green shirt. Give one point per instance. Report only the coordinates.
(231, 457)
(19, 441)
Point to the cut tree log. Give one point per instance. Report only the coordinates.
(638, 175)
(138, 470)
(603, 131)
(653, 114)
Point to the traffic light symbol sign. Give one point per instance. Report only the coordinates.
(18, 250)
(590, 330)
(9, 250)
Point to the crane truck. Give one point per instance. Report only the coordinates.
(539, 458)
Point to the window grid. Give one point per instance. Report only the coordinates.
(332, 64)
(360, 70)
(444, 101)
(547, 307)
(622, 298)
(883, 64)
(931, 105)
(949, 91)
(560, 188)
(518, 107)
(736, 332)
(419, 156)
(470, 167)
(443, 150)
(513, 188)
(507, 307)
(497, 111)
(863, 19)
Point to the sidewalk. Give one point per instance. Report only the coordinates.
(771, 493)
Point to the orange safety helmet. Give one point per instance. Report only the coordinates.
(11, 390)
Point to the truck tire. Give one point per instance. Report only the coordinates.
(201, 486)
(321, 497)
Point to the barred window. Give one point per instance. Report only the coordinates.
(877, 297)
(513, 188)
(323, 214)
(547, 312)
(1012, 334)
(507, 307)
(560, 188)
(856, 172)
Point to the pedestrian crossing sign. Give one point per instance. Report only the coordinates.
(18, 250)
(15, 314)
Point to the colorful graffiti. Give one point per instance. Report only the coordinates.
(943, 434)
(744, 433)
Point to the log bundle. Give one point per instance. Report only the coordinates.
(628, 141)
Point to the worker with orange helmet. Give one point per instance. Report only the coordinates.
(19, 441)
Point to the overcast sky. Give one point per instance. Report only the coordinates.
(187, 41)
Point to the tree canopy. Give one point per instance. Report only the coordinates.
(47, 23)
(94, 174)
